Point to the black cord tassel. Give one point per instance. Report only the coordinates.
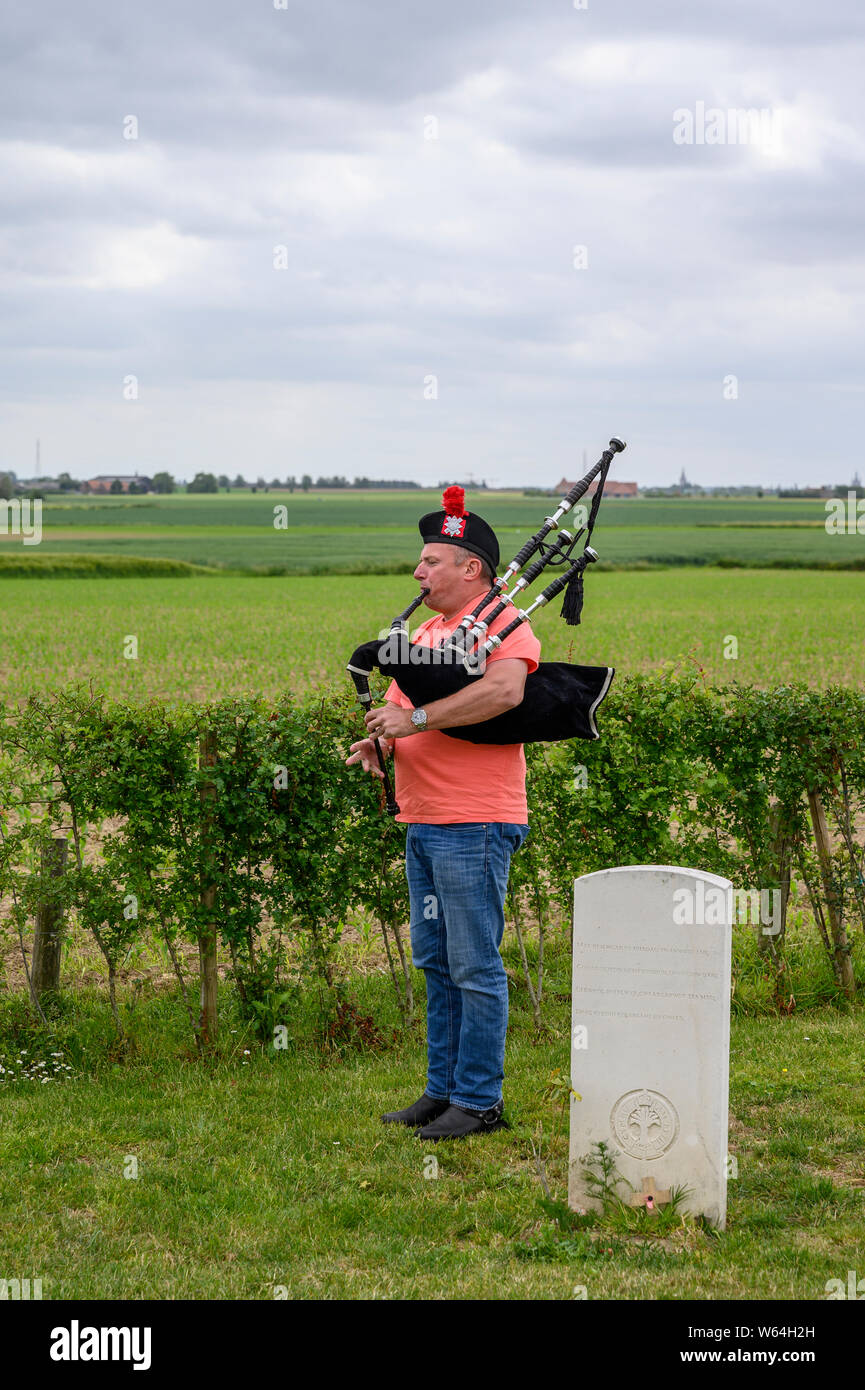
(572, 603)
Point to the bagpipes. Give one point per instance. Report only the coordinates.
(560, 699)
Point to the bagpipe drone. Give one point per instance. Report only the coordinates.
(560, 699)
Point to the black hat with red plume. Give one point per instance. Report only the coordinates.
(456, 526)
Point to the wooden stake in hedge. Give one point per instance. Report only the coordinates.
(842, 963)
(47, 940)
(207, 933)
(772, 944)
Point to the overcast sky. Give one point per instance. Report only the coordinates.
(330, 204)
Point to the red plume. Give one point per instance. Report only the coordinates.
(454, 501)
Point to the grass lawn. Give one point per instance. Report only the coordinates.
(231, 635)
(270, 1175)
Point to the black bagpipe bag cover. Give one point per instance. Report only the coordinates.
(560, 699)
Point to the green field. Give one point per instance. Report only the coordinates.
(335, 507)
(240, 634)
(378, 531)
(235, 629)
(270, 1175)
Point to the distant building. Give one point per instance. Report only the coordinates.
(612, 488)
(103, 482)
(685, 488)
(42, 484)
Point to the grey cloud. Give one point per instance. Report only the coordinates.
(304, 128)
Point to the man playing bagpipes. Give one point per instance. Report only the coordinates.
(465, 808)
(460, 775)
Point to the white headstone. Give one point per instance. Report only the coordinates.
(650, 1044)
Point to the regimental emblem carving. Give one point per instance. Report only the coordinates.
(645, 1123)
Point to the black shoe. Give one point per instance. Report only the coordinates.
(421, 1113)
(456, 1123)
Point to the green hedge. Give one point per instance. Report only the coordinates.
(94, 566)
(236, 825)
(763, 787)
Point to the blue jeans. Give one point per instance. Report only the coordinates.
(457, 878)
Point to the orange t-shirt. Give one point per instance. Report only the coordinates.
(446, 781)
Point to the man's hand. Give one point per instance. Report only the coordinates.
(363, 752)
(390, 721)
(500, 688)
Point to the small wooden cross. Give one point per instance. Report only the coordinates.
(650, 1197)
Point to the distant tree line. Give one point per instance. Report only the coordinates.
(164, 483)
(401, 483)
(208, 482)
(837, 490)
(472, 485)
(211, 483)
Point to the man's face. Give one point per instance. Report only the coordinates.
(450, 584)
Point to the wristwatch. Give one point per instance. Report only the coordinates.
(418, 718)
